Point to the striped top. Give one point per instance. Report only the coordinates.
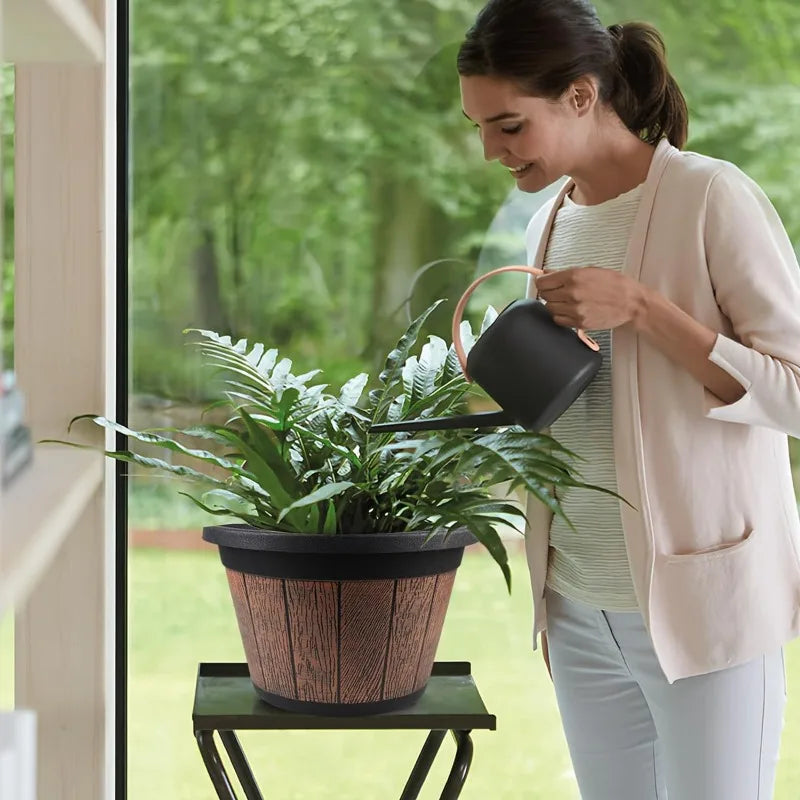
(591, 566)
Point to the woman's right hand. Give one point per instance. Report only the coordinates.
(546, 653)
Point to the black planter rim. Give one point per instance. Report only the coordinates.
(246, 537)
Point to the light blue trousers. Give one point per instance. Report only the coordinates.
(633, 736)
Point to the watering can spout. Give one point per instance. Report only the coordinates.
(484, 419)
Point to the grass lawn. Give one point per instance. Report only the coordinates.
(181, 613)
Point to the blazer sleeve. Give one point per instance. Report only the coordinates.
(756, 280)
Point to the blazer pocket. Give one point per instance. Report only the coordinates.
(725, 550)
(710, 596)
(720, 604)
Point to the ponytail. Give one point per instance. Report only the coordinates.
(644, 94)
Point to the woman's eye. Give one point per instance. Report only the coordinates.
(510, 131)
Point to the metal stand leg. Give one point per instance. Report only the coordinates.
(240, 765)
(458, 772)
(460, 769)
(423, 765)
(214, 765)
(224, 789)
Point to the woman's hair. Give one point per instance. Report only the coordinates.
(544, 45)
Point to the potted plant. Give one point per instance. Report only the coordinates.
(342, 566)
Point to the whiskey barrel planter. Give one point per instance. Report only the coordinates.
(339, 625)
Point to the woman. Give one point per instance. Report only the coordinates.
(662, 624)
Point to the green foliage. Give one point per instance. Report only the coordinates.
(7, 315)
(299, 457)
(737, 63)
(328, 135)
(322, 135)
(7, 148)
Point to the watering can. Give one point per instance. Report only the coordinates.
(531, 367)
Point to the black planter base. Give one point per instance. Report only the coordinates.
(339, 709)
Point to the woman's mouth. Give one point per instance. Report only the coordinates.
(519, 172)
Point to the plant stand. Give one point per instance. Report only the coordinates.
(225, 701)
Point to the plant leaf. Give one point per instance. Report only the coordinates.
(488, 318)
(353, 389)
(397, 357)
(329, 527)
(323, 493)
(166, 443)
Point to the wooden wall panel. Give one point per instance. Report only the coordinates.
(64, 633)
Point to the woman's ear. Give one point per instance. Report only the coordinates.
(583, 95)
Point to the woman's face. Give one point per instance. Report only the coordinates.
(536, 139)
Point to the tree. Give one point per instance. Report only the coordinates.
(296, 163)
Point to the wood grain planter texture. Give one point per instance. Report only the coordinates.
(339, 625)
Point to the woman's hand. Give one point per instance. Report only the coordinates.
(546, 653)
(601, 299)
(590, 297)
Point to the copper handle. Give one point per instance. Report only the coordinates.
(462, 304)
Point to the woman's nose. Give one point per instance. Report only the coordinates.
(492, 148)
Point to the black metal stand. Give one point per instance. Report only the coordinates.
(225, 701)
(458, 772)
(216, 769)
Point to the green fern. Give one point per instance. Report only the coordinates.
(298, 457)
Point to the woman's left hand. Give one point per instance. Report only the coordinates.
(590, 297)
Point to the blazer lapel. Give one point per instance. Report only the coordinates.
(626, 412)
(544, 236)
(641, 223)
(548, 225)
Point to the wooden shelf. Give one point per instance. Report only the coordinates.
(38, 510)
(59, 31)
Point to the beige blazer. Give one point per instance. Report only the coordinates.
(714, 542)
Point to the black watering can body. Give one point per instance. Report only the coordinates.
(531, 367)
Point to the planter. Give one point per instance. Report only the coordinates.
(339, 625)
